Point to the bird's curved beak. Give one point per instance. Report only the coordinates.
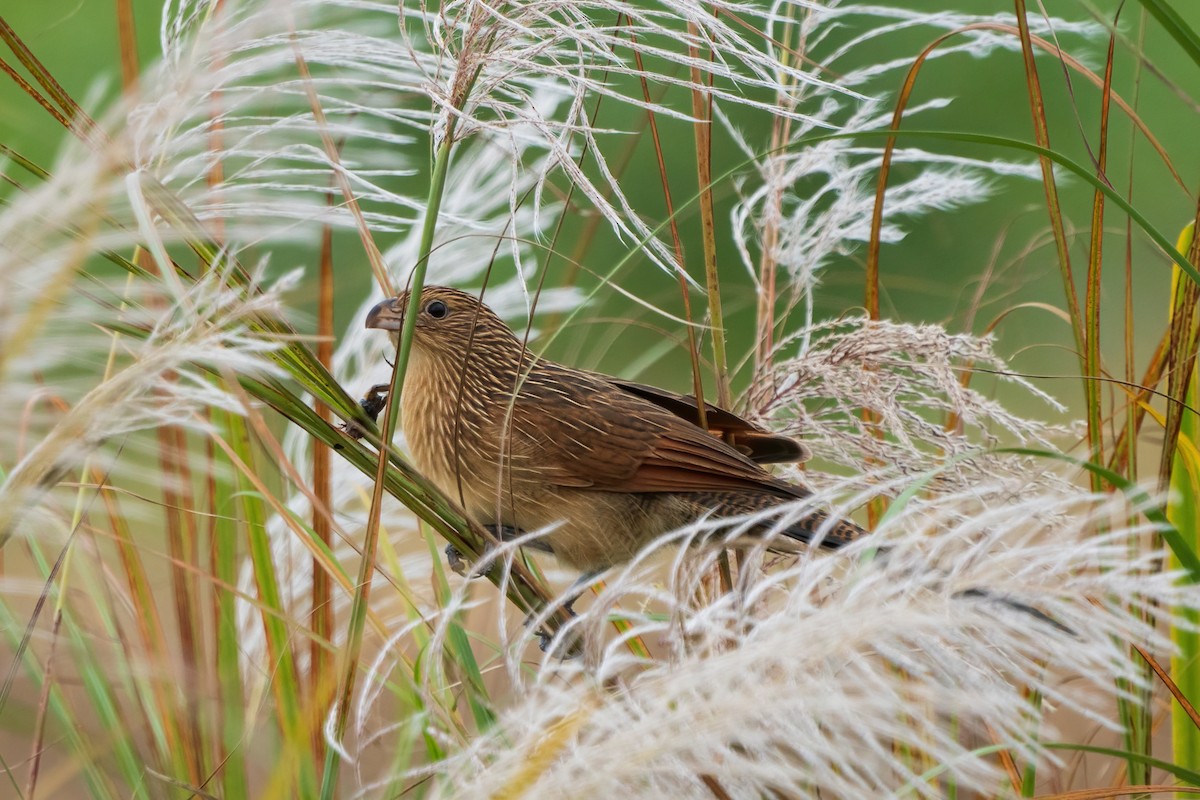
(385, 316)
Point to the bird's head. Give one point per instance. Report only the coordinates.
(448, 321)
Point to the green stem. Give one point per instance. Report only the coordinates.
(358, 607)
(441, 167)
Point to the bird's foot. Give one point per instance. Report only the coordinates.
(375, 399)
(569, 606)
(570, 646)
(574, 648)
(581, 585)
(458, 564)
(455, 560)
(372, 404)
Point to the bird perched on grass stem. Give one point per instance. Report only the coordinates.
(524, 443)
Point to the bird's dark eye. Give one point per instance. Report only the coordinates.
(437, 309)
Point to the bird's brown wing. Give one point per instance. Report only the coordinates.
(684, 458)
(608, 439)
(760, 446)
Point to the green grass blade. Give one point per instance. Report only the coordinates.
(227, 648)
(1138, 497)
(94, 674)
(98, 783)
(285, 681)
(1182, 511)
(1175, 25)
(1191, 777)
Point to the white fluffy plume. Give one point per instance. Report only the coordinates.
(839, 676)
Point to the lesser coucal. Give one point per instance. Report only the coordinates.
(524, 443)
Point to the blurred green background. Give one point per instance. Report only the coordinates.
(930, 276)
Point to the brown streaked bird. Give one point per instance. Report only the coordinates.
(524, 443)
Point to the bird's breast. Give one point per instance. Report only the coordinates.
(455, 428)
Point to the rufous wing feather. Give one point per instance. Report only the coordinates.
(759, 445)
(619, 441)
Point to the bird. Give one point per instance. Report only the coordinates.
(605, 466)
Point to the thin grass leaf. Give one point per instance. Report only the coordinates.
(284, 678)
(230, 744)
(1176, 26)
(1182, 773)
(1181, 510)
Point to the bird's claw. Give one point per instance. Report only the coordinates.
(375, 399)
(458, 564)
(569, 649)
(372, 404)
(502, 533)
(353, 429)
(455, 561)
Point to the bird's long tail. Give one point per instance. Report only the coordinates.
(828, 531)
(835, 532)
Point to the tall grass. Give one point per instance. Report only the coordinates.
(210, 590)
